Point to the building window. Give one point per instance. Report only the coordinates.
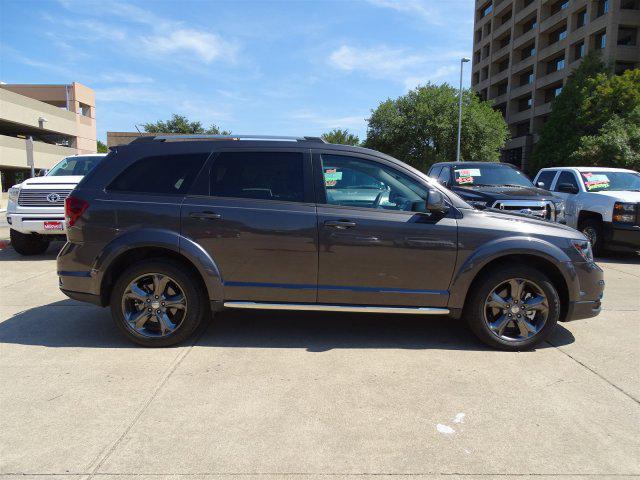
(506, 17)
(525, 103)
(559, 5)
(630, 4)
(526, 78)
(501, 88)
(528, 51)
(526, 3)
(552, 93)
(503, 65)
(602, 8)
(557, 35)
(522, 129)
(486, 10)
(476, 78)
(476, 57)
(622, 67)
(581, 18)
(627, 36)
(600, 40)
(504, 41)
(478, 35)
(529, 25)
(555, 65)
(484, 73)
(485, 51)
(578, 50)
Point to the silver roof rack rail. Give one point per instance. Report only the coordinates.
(164, 138)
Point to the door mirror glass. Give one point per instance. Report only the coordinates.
(567, 188)
(540, 184)
(436, 202)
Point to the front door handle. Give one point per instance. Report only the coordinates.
(340, 224)
(205, 215)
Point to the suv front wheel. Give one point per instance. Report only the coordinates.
(513, 308)
(156, 304)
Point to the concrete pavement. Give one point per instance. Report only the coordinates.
(293, 395)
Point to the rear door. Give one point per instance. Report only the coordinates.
(257, 220)
(375, 249)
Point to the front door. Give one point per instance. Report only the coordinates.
(258, 223)
(375, 248)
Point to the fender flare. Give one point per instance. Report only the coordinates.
(160, 238)
(502, 247)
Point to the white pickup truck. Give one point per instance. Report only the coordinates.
(35, 211)
(603, 203)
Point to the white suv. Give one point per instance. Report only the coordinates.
(35, 212)
(603, 203)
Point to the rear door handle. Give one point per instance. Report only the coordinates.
(205, 215)
(340, 224)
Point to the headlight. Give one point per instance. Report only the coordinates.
(477, 204)
(584, 249)
(559, 208)
(14, 193)
(624, 212)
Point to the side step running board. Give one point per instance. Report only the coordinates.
(338, 308)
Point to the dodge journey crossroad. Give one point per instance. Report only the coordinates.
(170, 229)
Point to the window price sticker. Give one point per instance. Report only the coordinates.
(331, 177)
(466, 175)
(595, 181)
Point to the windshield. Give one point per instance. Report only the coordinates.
(609, 180)
(74, 166)
(491, 174)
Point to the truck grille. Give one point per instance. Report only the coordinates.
(538, 209)
(43, 198)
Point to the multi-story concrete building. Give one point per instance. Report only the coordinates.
(524, 50)
(60, 119)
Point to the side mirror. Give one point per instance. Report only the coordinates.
(567, 188)
(436, 203)
(540, 184)
(444, 183)
(42, 173)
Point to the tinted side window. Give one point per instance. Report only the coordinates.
(261, 175)
(355, 182)
(566, 177)
(445, 175)
(163, 174)
(435, 171)
(546, 177)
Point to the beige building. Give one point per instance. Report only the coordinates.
(524, 51)
(61, 119)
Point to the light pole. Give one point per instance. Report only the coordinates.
(463, 60)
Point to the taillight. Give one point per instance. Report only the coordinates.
(74, 207)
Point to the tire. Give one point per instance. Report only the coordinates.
(151, 334)
(28, 243)
(477, 313)
(592, 229)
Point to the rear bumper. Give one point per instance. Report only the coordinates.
(77, 280)
(83, 297)
(623, 238)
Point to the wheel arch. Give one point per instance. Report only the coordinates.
(139, 245)
(589, 214)
(542, 255)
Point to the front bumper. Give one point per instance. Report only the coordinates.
(623, 238)
(37, 223)
(591, 289)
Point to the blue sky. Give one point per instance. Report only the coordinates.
(254, 67)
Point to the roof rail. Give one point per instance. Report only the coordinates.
(165, 138)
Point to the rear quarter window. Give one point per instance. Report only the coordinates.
(162, 174)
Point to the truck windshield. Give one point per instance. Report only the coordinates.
(74, 166)
(491, 174)
(611, 180)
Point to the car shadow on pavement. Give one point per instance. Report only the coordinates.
(87, 326)
(619, 258)
(10, 255)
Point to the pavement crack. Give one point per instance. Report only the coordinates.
(584, 365)
(104, 455)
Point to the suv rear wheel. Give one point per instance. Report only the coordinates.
(513, 308)
(28, 243)
(156, 304)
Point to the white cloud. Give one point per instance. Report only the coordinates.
(418, 8)
(396, 64)
(328, 121)
(206, 46)
(123, 77)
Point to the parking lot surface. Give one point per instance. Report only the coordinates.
(299, 395)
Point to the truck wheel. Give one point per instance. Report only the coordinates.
(28, 243)
(155, 303)
(512, 308)
(592, 229)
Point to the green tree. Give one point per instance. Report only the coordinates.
(181, 125)
(421, 127)
(594, 121)
(342, 137)
(102, 148)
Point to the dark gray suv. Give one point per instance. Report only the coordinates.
(168, 230)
